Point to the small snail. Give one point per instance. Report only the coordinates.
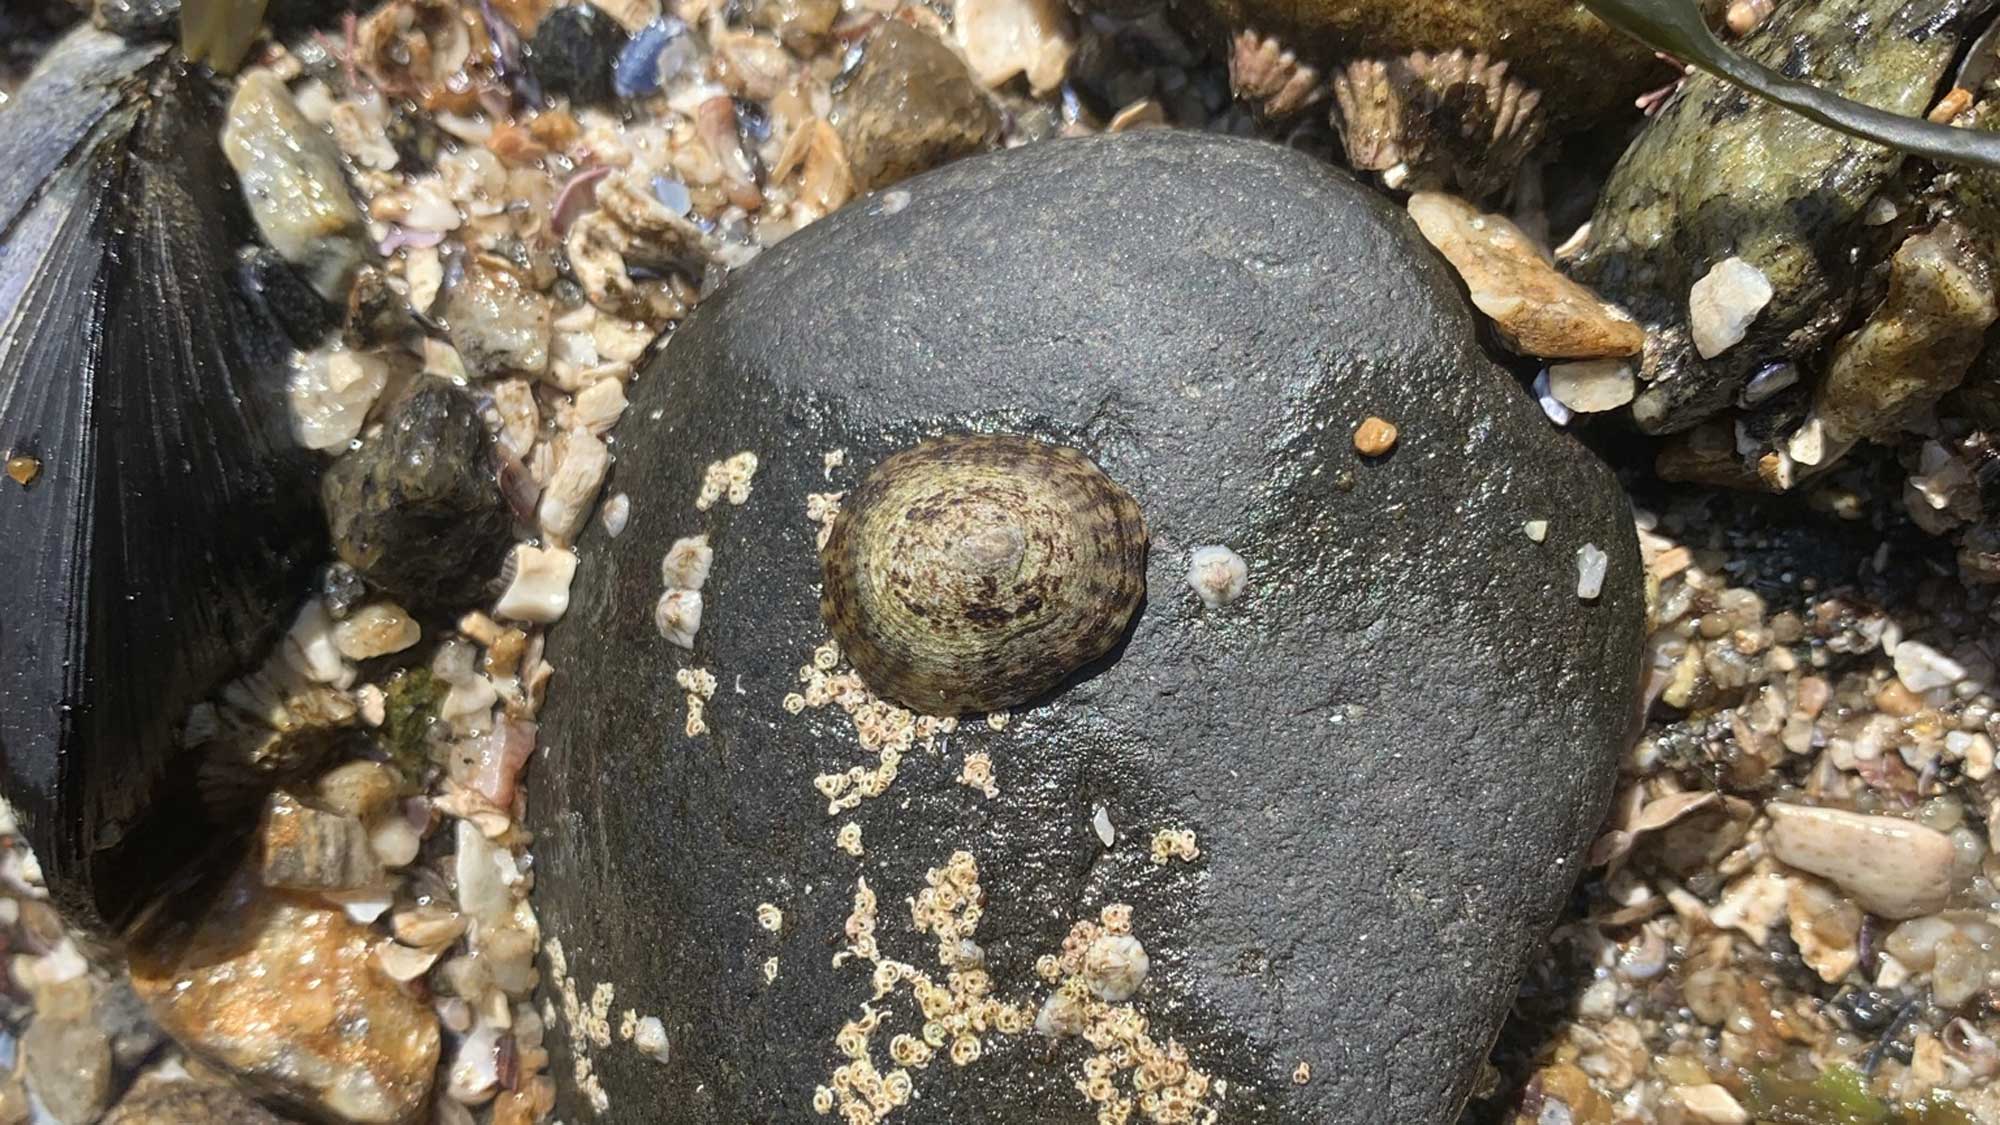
(974, 572)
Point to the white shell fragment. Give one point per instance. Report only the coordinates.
(539, 591)
(1724, 303)
(572, 488)
(1922, 667)
(1100, 822)
(678, 616)
(1592, 386)
(1892, 867)
(687, 562)
(1536, 530)
(1591, 563)
(1217, 575)
(1115, 966)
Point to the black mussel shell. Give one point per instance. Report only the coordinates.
(170, 523)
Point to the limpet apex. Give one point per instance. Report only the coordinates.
(975, 572)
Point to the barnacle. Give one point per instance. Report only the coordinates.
(1436, 120)
(1263, 71)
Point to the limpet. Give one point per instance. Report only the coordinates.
(974, 572)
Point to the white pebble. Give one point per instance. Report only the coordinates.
(312, 648)
(616, 514)
(1724, 303)
(1101, 822)
(539, 591)
(331, 392)
(375, 630)
(1591, 564)
(1922, 667)
(687, 563)
(651, 1039)
(678, 616)
(1892, 867)
(1537, 530)
(1217, 575)
(1709, 1104)
(1592, 386)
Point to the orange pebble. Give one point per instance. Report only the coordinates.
(1374, 437)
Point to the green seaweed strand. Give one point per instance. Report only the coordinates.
(1676, 28)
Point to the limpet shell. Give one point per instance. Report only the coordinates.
(975, 572)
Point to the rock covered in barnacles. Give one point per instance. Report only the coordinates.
(1368, 711)
(1720, 175)
(418, 509)
(171, 523)
(1585, 71)
(974, 572)
(1436, 120)
(911, 104)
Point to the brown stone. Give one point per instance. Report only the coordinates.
(911, 105)
(284, 993)
(180, 1103)
(307, 849)
(1538, 310)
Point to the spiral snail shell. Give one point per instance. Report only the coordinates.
(974, 572)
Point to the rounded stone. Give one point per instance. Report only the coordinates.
(1338, 815)
(973, 572)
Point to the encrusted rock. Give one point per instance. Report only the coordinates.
(910, 105)
(1188, 311)
(1720, 174)
(418, 508)
(1538, 310)
(287, 995)
(292, 180)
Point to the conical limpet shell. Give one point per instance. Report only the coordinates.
(974, 572)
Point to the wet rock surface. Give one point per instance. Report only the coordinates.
(178, 1103)
(911, 105)
(418, 510)
(1341, 808)
(287, 994)
(1720, 174)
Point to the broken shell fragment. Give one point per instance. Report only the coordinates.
(974, 572)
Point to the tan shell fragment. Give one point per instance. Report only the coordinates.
(975, 572)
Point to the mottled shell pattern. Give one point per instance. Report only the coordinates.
(975, 572)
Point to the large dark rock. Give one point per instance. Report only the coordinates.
(1390, 750)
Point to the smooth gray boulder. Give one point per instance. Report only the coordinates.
(1389, 751)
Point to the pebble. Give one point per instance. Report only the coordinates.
(538, 590)
(331, 393)
(1591, 563)
(1217, 575)
(1918, 344)
(292, 180)
(1894, 868)
(285, 993)
(183, 1102)
(910, 105)
(1708, 1104)
(573, 54)
(498, 325)
(1723, 303)
(1537, 530)
(1538, 310)
(1592, 386)
(67, 1060)
(1922, 668)
(417, 510)
(308, 849)
(373, 630)
(1003, 38)
(1374, 436)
